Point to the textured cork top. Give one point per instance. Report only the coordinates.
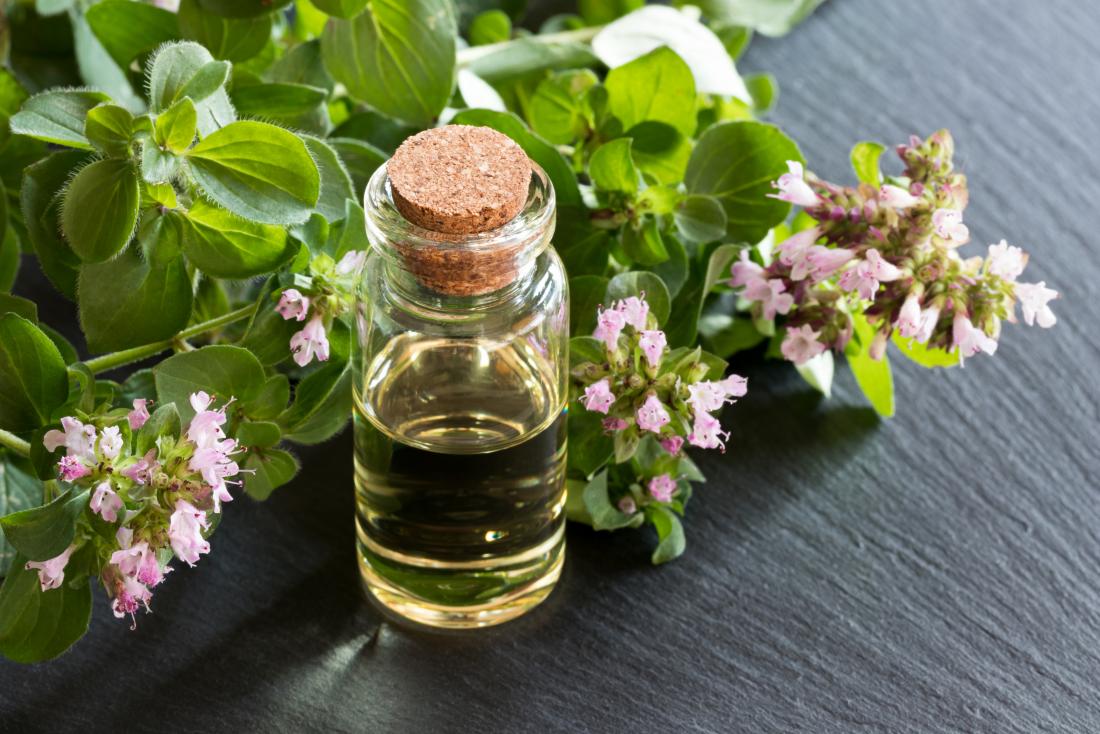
(459, 179)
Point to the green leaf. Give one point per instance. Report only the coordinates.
(221, 370)
(875, 380)
(268, 334)
(272, 398)
(770, 17)
(764, 90)
(33, 380)
(57, 116)
(599, 12)
(10, 257)
(259, 171)
(12, 96)
(865, 161)
(923, 355)
(586, 349)
(20, 489)
(187, 69)
(660, 150)
(127, 302)
(258, 434)
(700, 218)
(586, 293)
(322, 400)
(272, 468)
(336, 184)
(230, 39)
(643, 244)
(223, 245)
(655, 87)
(675, 270)
(360, 159)
(612, 169)
(19, 306)
(41, 214)
(342, 8)
(682, 329)
(108, 128)
(157, 166)
(605, 516)
(557, 110)
(525, 58)
(127, 29)
(165, 421)
(176, 127)
(209, 79)
(589, 445)
(42, 533)
(398, 56)
(491, 26)
(303, 64)
(242, 8)
(541, 152)
(736, 162)
(382, 132)
(670, 534)
(38, 625)
(97, 69)
(641, 284)
(818, 372)
(100, 209)
(295, 105)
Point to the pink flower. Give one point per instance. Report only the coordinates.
(138, 415)
(801, 344)
(627, 505)
(770, 294)
(867, 274)
(735, 386)
(213, 462)
(130, 595)
(744, 271)
(909, 317)
(200, 401)
(1005, 261)
(598, 397)
(970, 339)
(1034, 298)
(610, 425)
(706, 396)
(142, 471)
(707, 432)
(635, 311)
(609, 324)
(793, 250)
(653, 344)
(897, 197)
(824, 261)
(672, 444)
(350, 263)
(293, 305)
(72, 468)
(948, 224)
(877, 348)
(205, 428)
(105, 502)
(110, 443)
(51, 573)
(310, 342)
(662, 487)
(652, 416)
(793, 187)
(929, 317)
(185, 532)
(140, 562)
(77, 438)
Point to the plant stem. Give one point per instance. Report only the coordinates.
(10, 441)
(109, 361)
(468, 56)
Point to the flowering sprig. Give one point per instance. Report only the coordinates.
(144, 491)
(328, 294)
(882, 261)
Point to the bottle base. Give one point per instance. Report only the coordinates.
(528, 585)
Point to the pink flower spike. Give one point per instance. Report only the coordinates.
(110, 443)
(880, 269)
(801, 344)
(897, 197)
(627, 506)
(142, 471)
(350, 263)
(662, 487)
(293, 305)
(672, 444)
(652, 416)
(948, 224)
(793, 187)
(51, 573)
(735, 386)
(744, 271)
(1034, 298)
(77, 438)
(105, 502)
(71, 468)
(707, 432)
(185, 532)
(824, 261)
(792, 251)
(310, 342)
(1005, 261)
(771, 295)
(598, 397)
(908, 322)
(139, 414)
(609, 324)
(140, 562)
(635, 312)
(970, 339)
(653, 344)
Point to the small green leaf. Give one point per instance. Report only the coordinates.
(660, 150)
(100, 209)
(657, 87)
(322, 400)
(670, 534)
(209, 79)
(42, 533)
(643, 244)
(491, 26)
(586, 349)
(924, 356)
(700, 218)
(342, 8)
(612, 169)
(872, 375)
(157, 166)
(271, 469)
(19, 306)
(127, 302)
(127, 29)
(644, 285)
(165, 421)
(360, 159)
(586, 293)
(259, 171)
(398, 56)
(221, 370)
(223, 245)
(57, 116)
(865, 162)
(272, 398)
(108, 128)
(675, 270)
(187, 69)
(302, 64)
(557, 110)
(176, 127)
(20, 489)
(589, 445)
(41, 206)
(605, 516)
(336, 185)
(231, 39)
(258, 434)
(764, 90)
(33, 380)
(9, 257)
(242, 8)
(296, 106)
(38, 625)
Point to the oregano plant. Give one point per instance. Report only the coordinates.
(190, 176)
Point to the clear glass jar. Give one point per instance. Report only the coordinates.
(460, 389)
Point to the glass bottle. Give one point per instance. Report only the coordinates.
(459, 396)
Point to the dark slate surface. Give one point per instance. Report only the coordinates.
(938, 572)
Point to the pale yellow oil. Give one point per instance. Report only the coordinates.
(459, 471)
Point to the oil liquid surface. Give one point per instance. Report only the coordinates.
(460, 466)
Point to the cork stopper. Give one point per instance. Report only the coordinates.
(459, 179)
